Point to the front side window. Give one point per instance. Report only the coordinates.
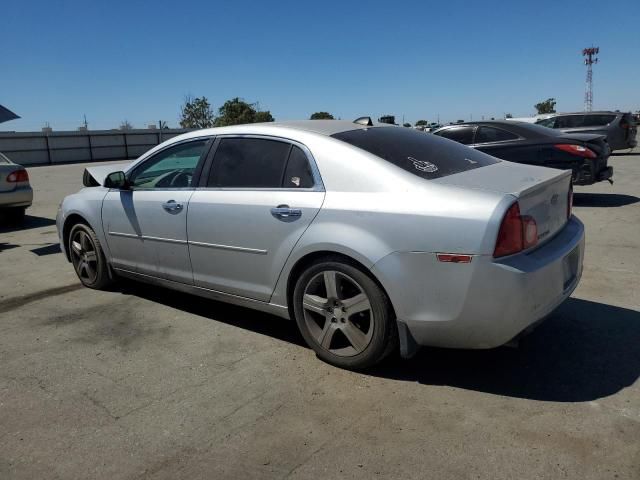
(569, 121)
(547, 122)
(171, 168)
(424, 155)
(249, 163)
(458, 134)
(490, 134)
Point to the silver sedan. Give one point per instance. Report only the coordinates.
(16, 193)
(373, 238)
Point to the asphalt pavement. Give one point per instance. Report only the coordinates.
(145, 383)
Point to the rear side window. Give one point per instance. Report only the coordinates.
(298, 173)
(598, 120)
(458, 134)
(249, 162)
(490, 134)
(422, 154)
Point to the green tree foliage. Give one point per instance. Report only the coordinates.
(406, 124)
(263, 117)
(321, 116)
(508, 115)
(196, 113)
(422, 123)
(236, 111)
(547, 106)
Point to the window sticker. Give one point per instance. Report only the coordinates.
(423, 166)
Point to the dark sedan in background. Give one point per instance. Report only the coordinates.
(619, 128)
(585, 154)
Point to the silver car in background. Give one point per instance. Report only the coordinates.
(619, 127)
(373, 238)
(16, 194)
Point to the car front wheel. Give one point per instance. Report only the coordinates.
(88, 258)
(344, 315)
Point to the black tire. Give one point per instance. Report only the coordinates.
(15, 215)
(88, 257)
(340, 351)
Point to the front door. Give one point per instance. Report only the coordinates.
(260, 197)
(146, 224)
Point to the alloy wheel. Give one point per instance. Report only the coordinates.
(84, 256)
(338, 313)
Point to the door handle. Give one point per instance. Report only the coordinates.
(285, 212)
(172, 206)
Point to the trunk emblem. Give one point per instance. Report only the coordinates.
(554, 199)
(423, 165)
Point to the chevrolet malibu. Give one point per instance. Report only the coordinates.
(373, 238)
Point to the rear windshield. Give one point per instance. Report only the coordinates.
(3, 159)
(423, 154)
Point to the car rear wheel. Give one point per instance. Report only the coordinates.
(15, 215)
(344, 315)
(88, 258)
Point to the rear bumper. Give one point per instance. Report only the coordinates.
(485, 303)
(591, 173)
(20, 197)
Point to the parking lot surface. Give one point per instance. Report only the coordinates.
(142, 382)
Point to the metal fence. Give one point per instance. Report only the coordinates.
(42, 148)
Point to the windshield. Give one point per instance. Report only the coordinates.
(425, 155)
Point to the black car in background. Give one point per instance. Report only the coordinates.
(585, 154)
(619, 128)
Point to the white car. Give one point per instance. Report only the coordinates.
(372, 237)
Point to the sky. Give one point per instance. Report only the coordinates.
(137, 60)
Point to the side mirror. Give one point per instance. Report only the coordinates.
(116, 180)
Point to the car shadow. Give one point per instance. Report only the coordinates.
(29, 222)
(624, 154)
(584, 351)
(245, 318)
(603, 200)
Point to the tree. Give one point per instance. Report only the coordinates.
(125, 125)
(321, 116)
(263, 117)
(236, 111)
(421, 123)
(196, 113)
(547, 106)
(406, 124)
(508, 115)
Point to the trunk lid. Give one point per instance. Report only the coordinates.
(542, 193)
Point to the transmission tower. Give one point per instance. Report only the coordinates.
(589, 59)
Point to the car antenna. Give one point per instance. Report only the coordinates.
(366, 121)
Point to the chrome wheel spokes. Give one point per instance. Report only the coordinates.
(338, 313)
(84, 256)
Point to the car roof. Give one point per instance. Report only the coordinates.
(321, 127)
(524, 129)
(596, 112)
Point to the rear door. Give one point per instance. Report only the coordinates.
(260, 196)
(146, 224)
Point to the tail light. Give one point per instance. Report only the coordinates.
(517, 232)
(18, 176)
(570, 201)
(577, 150)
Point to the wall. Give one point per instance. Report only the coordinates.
(38, 148)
